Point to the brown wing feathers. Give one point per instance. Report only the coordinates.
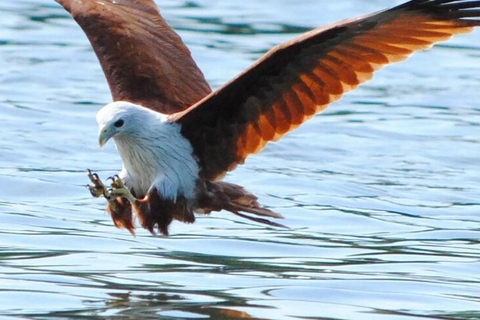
(146, 62)
(143, 59)
(298, 79)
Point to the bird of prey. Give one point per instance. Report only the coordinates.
(177, 139)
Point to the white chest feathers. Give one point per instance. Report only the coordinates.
(155, 154)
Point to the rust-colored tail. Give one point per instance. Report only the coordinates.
(236, 199)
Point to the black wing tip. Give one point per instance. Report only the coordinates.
(465, 11)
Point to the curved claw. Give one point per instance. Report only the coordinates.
(93, 177)
(117, 183)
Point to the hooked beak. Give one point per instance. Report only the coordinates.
(104, 135)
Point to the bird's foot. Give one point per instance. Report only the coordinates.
(118, 189)
(98, 189)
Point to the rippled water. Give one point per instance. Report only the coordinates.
(381, 193)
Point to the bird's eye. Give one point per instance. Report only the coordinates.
(118, 123)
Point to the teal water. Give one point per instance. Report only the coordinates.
(381, 192)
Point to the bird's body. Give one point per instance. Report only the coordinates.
(177, 139)
(159, 164)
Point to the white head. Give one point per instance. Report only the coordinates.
(153, 150)
(122, 118)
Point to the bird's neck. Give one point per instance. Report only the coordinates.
(159, 157)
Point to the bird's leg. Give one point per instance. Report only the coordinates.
(98, 189)
(120, 190)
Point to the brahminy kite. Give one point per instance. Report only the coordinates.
(177, 139)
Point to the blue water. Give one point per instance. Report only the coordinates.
(381, 192)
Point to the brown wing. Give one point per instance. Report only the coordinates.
(300, 78)
(144, 60)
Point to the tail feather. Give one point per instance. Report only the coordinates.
(260, 220)
(236, 199)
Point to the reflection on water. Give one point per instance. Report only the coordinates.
(380, 193)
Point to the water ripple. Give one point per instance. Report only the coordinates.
(380, 193)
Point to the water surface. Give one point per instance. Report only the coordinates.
(381, 192)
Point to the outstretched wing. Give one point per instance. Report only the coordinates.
(144, 60)
(300, 78)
